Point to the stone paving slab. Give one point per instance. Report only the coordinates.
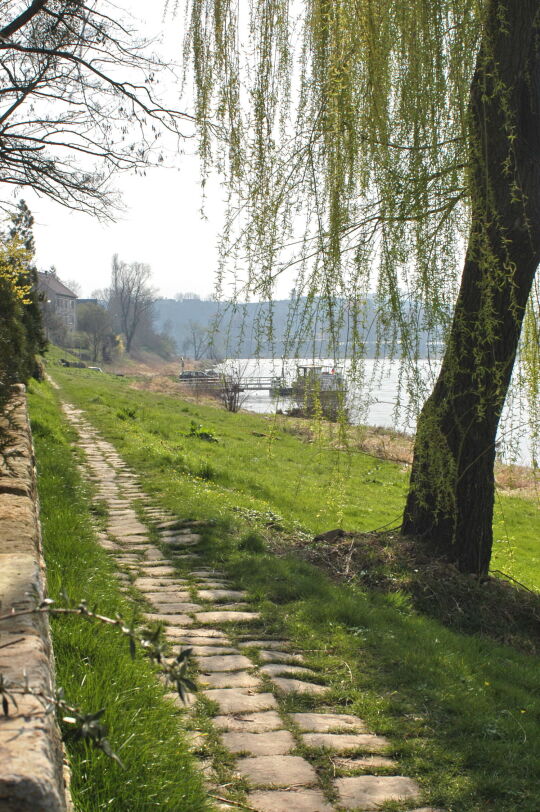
(275, 743)
(211, 585)
(303, 800)
(185, 558)
(224, 662)
(208, 651)
(164, 584)
(230, 679)
(427, 809)
(328, 722)
(275, 669)
(182, 620)
(133, 541)
(212, 644)
(182, 541)
(250, 722)
(165, 525)
(149, 571)
(139, 550)
(112, 546)
(368, 792)
(238, 700)
(277, 771)
(220, 594)
(167, 595)
(131, 528)
(343, 742)
(176, 533)
(364, 763)
(207, 572)
(280, 657)
(175, 634)
(296, 686)
(153, 554)
(172, 608)
(265, 644)
(227, 617)
(191, 699)
(210, 633)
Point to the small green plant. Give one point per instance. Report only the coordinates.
(207, 471)
(252, 543)
(201, 433)
(127, 413)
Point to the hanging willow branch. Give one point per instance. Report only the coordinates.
(348, 155)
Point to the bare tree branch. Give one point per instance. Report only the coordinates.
(79, 102)
(20, 21)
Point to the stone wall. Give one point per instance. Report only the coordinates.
(31, 771)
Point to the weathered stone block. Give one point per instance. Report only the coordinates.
(369, 792)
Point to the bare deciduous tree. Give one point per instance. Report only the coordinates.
(232, 392)
(197, 341)
(77, 101)
(130, 296)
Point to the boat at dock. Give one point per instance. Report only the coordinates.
(319, 389)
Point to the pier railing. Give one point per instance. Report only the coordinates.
(253, 383)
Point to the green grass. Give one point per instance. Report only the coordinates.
(93, 663)
(516, 530)
(461, 711)
(304, 483)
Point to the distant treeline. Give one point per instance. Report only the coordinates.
(290, 328)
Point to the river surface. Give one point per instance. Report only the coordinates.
(375, 398)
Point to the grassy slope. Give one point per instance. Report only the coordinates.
(93, 664)
(319, 488)
(461, 711)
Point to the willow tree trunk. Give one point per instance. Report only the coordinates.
(451, 496)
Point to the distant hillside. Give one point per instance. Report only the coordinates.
(282, 328)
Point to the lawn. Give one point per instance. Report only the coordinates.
(259, 464)
(461, 711)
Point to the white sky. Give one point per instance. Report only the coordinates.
(162, 224)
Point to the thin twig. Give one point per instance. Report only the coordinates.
(233, 803)
(510, 578)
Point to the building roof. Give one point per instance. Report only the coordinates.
(52, 283)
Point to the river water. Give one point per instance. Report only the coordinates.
(375, 398)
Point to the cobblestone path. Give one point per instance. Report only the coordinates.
(203, 612)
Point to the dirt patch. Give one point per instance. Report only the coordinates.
(387, 562)
(170, 385)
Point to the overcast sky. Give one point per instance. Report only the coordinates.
(162, 224)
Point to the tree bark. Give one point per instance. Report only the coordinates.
(451, 495)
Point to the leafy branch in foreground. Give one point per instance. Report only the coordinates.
(85, 725)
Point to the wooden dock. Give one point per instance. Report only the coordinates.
(251, 383)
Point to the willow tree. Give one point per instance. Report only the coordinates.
(406, 133)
